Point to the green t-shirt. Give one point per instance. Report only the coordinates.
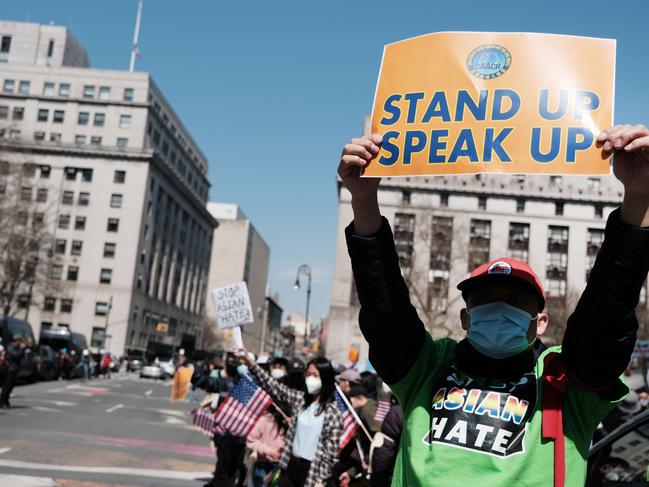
(461, 432)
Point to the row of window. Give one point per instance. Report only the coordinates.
(84, 198)
(49, 304)
(64, 90)
(58, 116)
(479, 252)
(56, 273)
(80, 223)
(520, 202)
(76, 247)
(72, 173)
(121, 142)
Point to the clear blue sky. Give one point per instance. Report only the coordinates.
(271, 90)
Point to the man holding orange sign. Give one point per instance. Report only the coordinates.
(486, 408)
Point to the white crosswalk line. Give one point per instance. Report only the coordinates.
(24, 481)
(140, 472)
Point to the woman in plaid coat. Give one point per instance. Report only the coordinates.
(313, 436)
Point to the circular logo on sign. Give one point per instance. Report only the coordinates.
(489, 61)
(500, 267)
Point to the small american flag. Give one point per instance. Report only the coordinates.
(350, 426)
(240, 411)
(204, 421)
(382, 411)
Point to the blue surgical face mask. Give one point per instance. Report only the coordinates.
(242, 369)
(498, 330)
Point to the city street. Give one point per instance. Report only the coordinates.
(118, 432)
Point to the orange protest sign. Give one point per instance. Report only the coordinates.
(180, 385)
(478, 102)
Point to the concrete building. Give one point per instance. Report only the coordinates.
(239, 253)
(122, 185)
(446, 226)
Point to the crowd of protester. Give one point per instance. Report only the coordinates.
(296, 441)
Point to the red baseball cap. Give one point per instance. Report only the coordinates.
(505, 267)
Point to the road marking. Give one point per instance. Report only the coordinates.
(174, 420)
(148, 393)
(46, 409)
(55, 403)
(24, 481)
(140, 472)
(114, 408)
(4, 450)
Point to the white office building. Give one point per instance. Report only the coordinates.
(122, 186)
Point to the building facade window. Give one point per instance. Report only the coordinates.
(105, 276)
(113, 225)
(83, 119)
(599, 211)
(125, 121)
(41, 195)
(60, 245)
(482, 202)
(100, 119)
(520, 205)
(109, 249)
(66, 306)
(519, 241)
(556, 269)
(593, 245)
(558, 209)
(404, 237)
(9, 85)
(479, 243)
(128, 94)
(86, 175)
(79, 139)
(101, 308)
(48, 89)
(64, 89)
(84, 198)
(23, 87)
(80, 223)
(49, 303)
(4, 112)
(122, 142)
(59, 116)
(73, 273)
(5, 47)
(88, 91)
(77, 246)
(56, 272)
(55, 137)
(95, 140)
(19, 113)
(64, 222)
(39, 135)
(26, 193)
(119, 176)
(68, 197)
(104, 93)
(439, 263)
(43, 115)
(443, 200)
(116, 200)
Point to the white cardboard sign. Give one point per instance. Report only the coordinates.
(232, 304)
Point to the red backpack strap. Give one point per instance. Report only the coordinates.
(555, 382)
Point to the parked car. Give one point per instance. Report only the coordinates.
(168, 367)
(621, 458)
(45, 362)
(152, 371)
(11, 327)
(133, 365)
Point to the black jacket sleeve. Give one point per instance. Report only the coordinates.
(601, 332)
(387, 319)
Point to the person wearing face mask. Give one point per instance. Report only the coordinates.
(313, 436)
(490, 407)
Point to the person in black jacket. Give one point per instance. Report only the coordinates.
(486, 406)
(385, 448)
(14, 356)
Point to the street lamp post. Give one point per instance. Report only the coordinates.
(305, 270)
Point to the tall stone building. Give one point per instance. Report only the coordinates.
(121, 185)
(239, 253)
(445, 226)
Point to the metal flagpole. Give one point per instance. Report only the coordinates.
(136, 36)
(358, 420)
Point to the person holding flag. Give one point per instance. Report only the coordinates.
(313, 437)
(487, 407)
